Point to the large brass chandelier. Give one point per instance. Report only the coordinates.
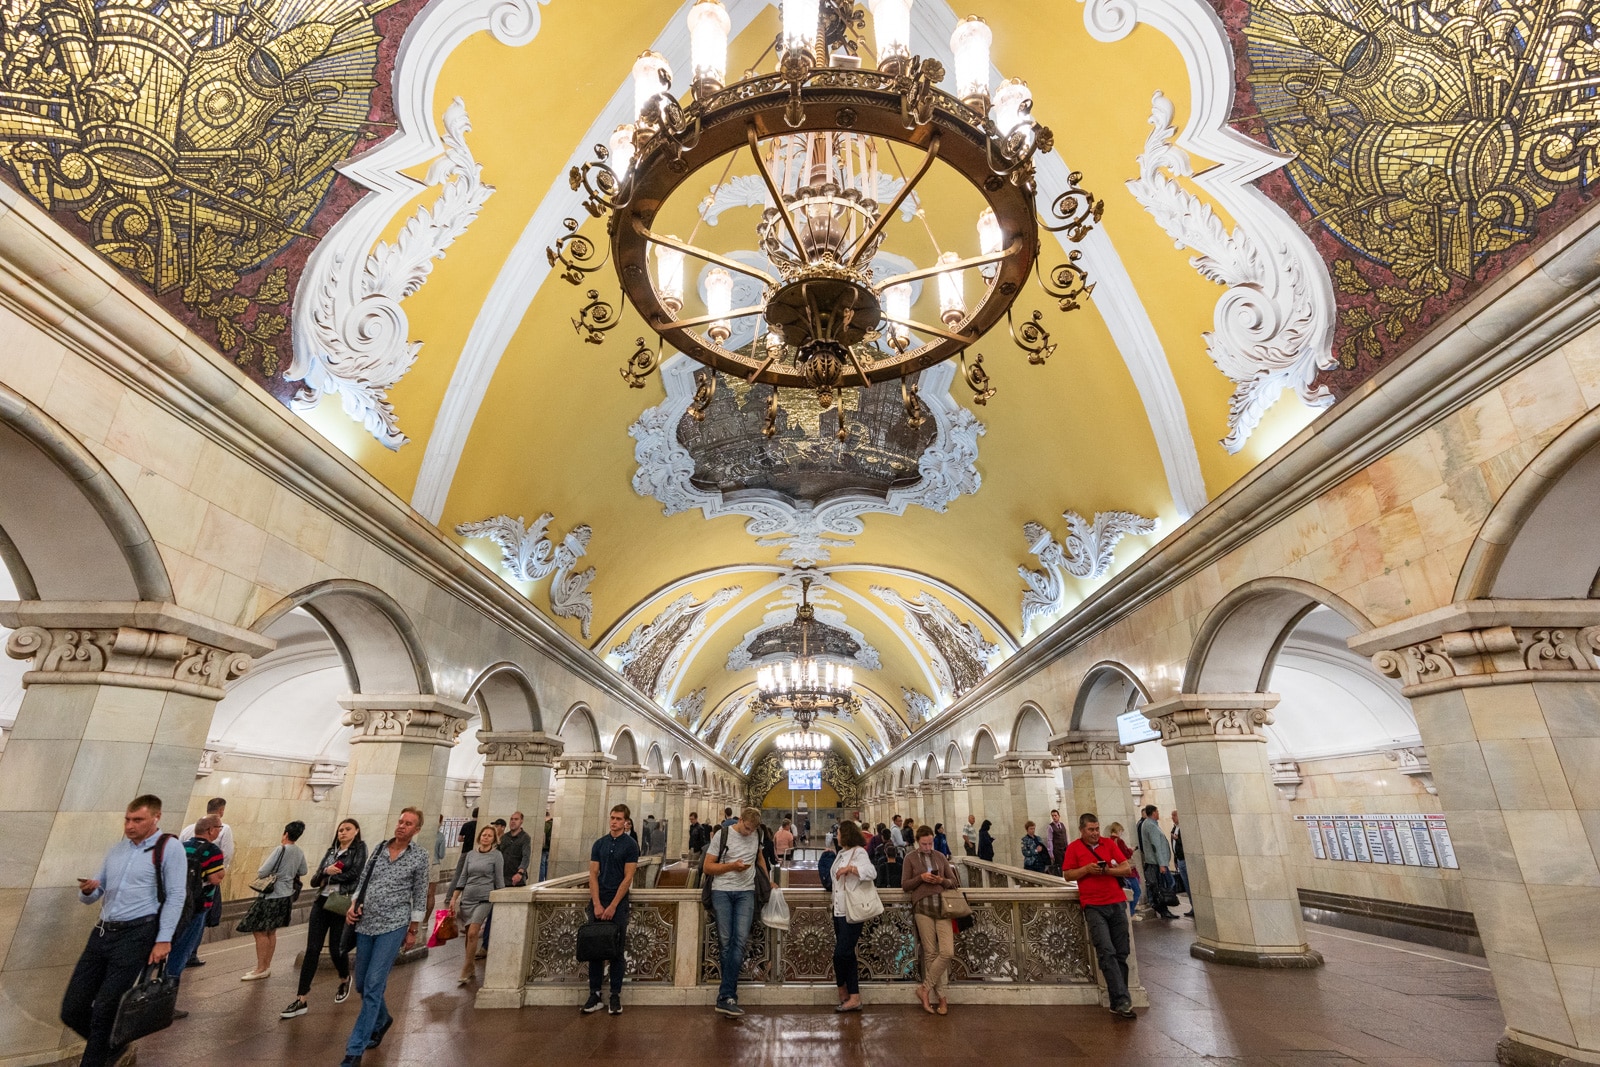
(806, 686)
(825, 134)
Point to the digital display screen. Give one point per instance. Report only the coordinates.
(800, 781)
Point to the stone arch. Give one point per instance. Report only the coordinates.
(675, 768)
(953, 760)
(505, 699)
(67, 530)
(1108, 689)
(1538, 540)
(625, 747)
(1031, 731)
(930, 767)
(985, 750)
(374, 635)
(1239, 641)
(914, 774)
(578, 731)
(652, 760)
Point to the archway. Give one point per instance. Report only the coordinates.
(1239, 641)
(373, 633)
(506, 700)
(1031, 730)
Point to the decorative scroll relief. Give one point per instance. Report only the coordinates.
(1079, 751)
(1474, 655)
(805, 533)
(1087, 554)
(1212, 724)
(1028, 765)
(957, 651)
(391, 724)
(1286, 776)
(528, 554)
(325, 777)
(533, 749)
(351, 341)
(650, 657)
(883, 719)
(920, 707)
(780, 615)
(688, 709)
(1269, 330)
(125, 656)
(1414, 763)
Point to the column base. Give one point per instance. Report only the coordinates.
(1305, 959)
(1515, 1052)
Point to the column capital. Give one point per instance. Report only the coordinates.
(628, 774)
(952, 781)
(1027, 765)
(1191, 717)
(677, 787)
(1078, 748)
(1488, 642)
(502, 748)
(420, 718)
(657, 781)
(133, 645)
(985, 774)
(584, 765)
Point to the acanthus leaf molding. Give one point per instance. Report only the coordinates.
(528, 555)
(1087, 554)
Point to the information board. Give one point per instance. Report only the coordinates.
(1406, 839)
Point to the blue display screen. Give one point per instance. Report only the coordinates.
(800, 781)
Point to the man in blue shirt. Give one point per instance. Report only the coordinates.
(135, 927)
(612, 861)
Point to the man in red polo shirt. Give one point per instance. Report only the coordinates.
(1095, 863)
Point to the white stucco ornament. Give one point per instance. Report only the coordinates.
(1087, 554)
(528, 554)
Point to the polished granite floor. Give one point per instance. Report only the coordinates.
(1376, 1002)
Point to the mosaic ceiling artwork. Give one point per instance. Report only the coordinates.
(1433, 145)
(193, 142)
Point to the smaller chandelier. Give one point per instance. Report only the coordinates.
(805, 686)
(805, 750)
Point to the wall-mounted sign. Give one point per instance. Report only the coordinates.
(1409, 840)
(1133, 727)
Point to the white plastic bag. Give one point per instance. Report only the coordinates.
(776, 913)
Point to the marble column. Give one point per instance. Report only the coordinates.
(580, 810)
(1246, 907)
(398, 758)
(627, 787)
(1096, 766)
(1030, 779)
(988, 798)
(953, 798)
(654, 800)
(518, 767)
(117, 703)
(1507, 701)
(678, 804)
(931, 804)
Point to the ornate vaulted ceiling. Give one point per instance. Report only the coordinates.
(406, 301)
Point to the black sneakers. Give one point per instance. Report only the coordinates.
(616, 1004)
(296, 1008)
(729, 1008)
(593, 1004)
(1124, 1011)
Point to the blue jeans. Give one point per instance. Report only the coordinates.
(734, 911)
(184, 942)
(375, 956)
(1138, 891)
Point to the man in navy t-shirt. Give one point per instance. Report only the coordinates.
(1095, 863)
(612, 862)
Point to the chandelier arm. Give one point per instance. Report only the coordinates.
(951, 268)
(736, 313)
(937, 331)
(865, 381)
(772, 188)
(894, 205)
(700, 253)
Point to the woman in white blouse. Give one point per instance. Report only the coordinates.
(852, 862)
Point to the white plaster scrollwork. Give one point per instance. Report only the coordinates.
(688, 709)
(1469, 657)
(805, 533)
(528, 555)
(1087, 554)
(125, 656)
(957, 651)
(214, 751)
(1414, 764)
(352, 341)
(920, 707)
(650, 657)
(781, 612)
(1269, 333)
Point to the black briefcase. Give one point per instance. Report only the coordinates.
(147, 1007)
(599, 940)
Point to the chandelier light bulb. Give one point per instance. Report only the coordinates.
(989, 239)
(800, 20)
(620, 146)
(709, 27)
(719, 301)
(969, 46)
(1013, 106)
(952, 297)
(651, 77)
(897, 305)
(669, 278)
(891, 27)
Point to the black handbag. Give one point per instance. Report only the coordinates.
(599, 940)
(147, 1007)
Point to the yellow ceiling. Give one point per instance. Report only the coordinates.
(552, 432)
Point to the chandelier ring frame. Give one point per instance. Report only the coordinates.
(872, 101)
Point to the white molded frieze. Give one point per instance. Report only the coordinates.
(956, 650)
(920, 707)
(1087, 554)
(528, 554)
(652, 653)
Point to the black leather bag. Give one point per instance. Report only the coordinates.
(147, 1007)
(599, 940)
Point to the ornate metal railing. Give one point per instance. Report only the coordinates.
(1022, 936)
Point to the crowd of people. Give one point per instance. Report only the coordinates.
(159, 892)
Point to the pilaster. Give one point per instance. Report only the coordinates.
(1096, 766)
(1030, 779)
(990, 799)
(518, 766)
(677, 805)
(580, 810)
(399, 753)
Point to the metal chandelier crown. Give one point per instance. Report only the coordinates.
(822, 132)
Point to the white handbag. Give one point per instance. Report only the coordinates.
(861, 900)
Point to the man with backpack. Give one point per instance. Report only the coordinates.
(141, 883)
(731, 861)
(205, 865)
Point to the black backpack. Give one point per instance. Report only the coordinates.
(825, 869)
(194, 888)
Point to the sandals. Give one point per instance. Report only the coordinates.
(944, 1007)
(922, 995)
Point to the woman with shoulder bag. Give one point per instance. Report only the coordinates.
(335, 880)
(927, 875)
(852, 869)
(478, 874)
(278, 881)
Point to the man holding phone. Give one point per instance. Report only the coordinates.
(1096, 863)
